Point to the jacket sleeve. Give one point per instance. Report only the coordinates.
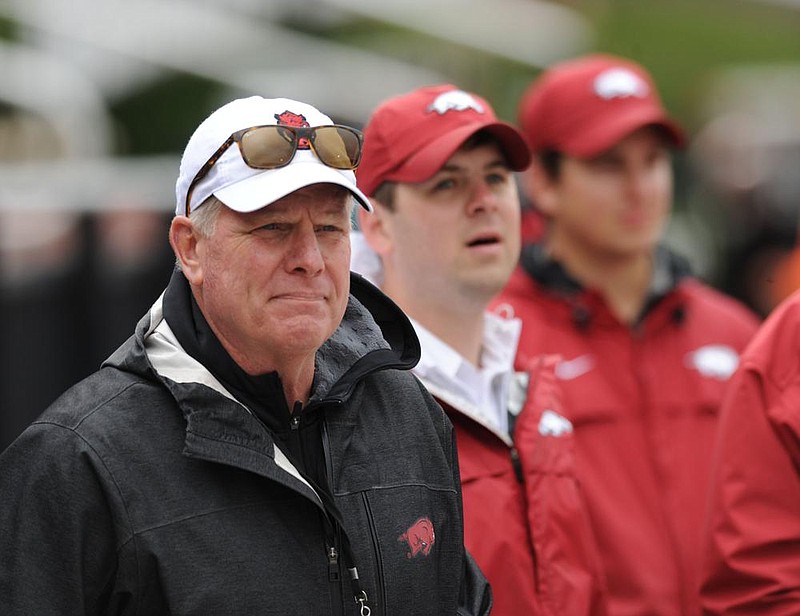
(56, 530)
(752, 551)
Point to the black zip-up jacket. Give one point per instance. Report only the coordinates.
(148, 489)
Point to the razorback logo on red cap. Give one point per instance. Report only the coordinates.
(455, 100)
(620, 83)
(289, 118)
(420, 538)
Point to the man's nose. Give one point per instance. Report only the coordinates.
(482, 197)
(304, 255)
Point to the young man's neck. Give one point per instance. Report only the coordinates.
(456, 321)
(624, 282)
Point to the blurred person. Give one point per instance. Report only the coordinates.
(257, 446)
(647, 348)
(752, 542)
(439, 168)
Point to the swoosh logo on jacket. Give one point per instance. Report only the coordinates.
(568, 369)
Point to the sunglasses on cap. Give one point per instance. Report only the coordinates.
(274, 145)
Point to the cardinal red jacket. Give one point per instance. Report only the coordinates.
(525, 519)
(752, 563)
(643, 401)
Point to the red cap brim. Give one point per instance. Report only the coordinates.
(604, 135)
(426, 162)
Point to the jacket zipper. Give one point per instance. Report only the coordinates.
(516, 464)
(378, 559)
(335, 579)
(334, 563)
(331, 551)
(361, 596)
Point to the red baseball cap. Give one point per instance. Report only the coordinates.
(584, 106)
(409, 137)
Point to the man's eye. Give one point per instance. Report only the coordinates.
(497, 178)
(445, 184)
(271, 226)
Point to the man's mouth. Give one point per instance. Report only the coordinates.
(483, 240)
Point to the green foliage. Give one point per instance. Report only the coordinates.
(160, 118)
(682, 42)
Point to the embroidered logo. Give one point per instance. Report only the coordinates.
(568, 369)
(553, 424)
(716, 361)
(619, 83)
(420, 538)
(289, 118)
(455, 100)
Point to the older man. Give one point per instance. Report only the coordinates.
(255, 447)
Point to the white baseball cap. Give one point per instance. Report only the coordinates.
(239, 186)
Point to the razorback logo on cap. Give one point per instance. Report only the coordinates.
(619, 83)
(289, 118)
(420, 538)
(455, 100)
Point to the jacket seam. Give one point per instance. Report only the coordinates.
(113, 479)
(394, 486)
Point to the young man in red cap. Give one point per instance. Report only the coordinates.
(443, 239)
(647, 349)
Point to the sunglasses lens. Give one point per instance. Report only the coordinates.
(268, 147)
(337, 146)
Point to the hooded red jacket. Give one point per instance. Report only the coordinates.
(644, 402)
(752, 563)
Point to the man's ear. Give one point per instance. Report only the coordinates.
(539, 187)
(374, 226)
(184, 241)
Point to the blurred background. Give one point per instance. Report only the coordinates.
(98, 98)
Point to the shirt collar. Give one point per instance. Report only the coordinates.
(478, 390)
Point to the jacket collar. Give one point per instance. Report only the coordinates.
(670, 269)
(374, 335)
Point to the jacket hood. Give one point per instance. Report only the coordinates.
(374, 335)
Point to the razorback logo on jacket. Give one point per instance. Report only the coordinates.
(420, 538)
(289, 118)
(553, 424)
(717, 361)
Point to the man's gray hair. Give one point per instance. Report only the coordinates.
(204, 217)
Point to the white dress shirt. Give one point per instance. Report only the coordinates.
(482, 392)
